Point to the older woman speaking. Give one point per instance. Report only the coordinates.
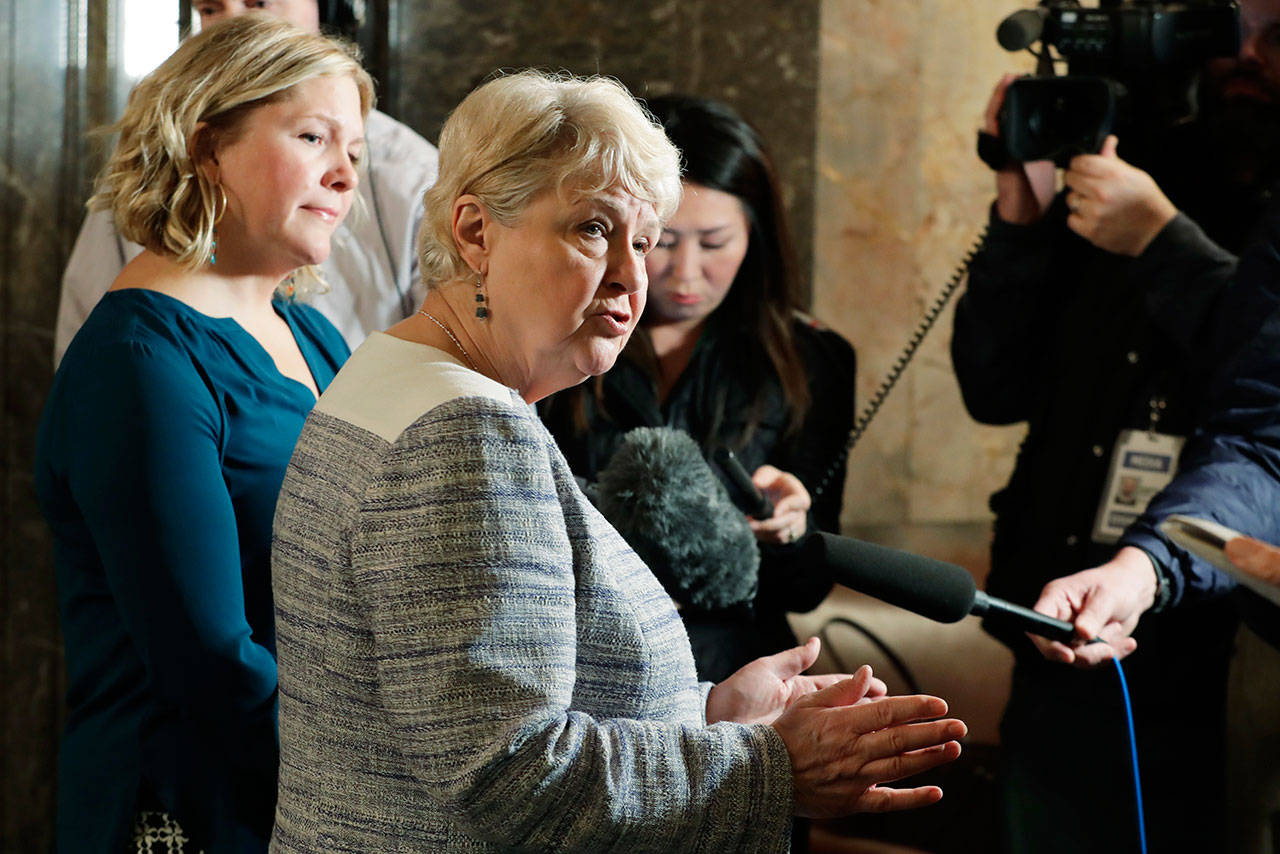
(471, 659)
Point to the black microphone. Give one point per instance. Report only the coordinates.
(931, 588)
(1022, 28)
(759, 507)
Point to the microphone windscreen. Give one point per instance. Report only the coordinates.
(931, 588)
(659, 493)
(1020, 30)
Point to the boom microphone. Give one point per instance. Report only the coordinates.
(659, 493)
(1020, 30)
(931, 588)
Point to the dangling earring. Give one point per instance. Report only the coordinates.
(482, 303)
(290, 286)
(217, 218)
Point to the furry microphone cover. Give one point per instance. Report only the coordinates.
(664, 499)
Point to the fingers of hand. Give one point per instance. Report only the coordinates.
(801, 658)
(991, 117)
(1097, 166)
(904, 740)
(1055, 601)
(794, 661)
(877, 799)
(781, 487)
(1245, 552)
(1104, 614)
(838, 784)
(1086, 654)
(902, 765)
(787, 524)
(826, 680)
(845, 692)
(793, 505)
(1052, 650)
(784, 516)
(765, 476)
(1094, 654)
(892, 711)
(1255, 557)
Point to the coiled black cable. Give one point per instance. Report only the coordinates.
(895, 373)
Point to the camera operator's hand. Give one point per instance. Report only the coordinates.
(1115, 206)
(1023, 190)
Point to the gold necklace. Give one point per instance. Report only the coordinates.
(447, 331)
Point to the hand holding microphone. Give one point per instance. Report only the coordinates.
(776, 501)
(1105, 602)
(791, 502)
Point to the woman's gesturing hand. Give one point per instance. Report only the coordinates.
(842, 749)
(760, 691)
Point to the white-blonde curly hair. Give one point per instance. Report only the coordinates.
(152, 183)
(521, 134)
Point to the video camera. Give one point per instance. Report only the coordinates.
(1116, 54)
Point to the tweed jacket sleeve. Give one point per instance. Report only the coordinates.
(532, 680)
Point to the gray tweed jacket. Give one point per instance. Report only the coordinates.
(471, 659)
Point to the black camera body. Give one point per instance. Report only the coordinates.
(1112, 52)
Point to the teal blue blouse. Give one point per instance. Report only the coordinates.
(158, 461)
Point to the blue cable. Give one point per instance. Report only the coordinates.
(1133, 752)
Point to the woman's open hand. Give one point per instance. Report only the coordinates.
(760, 691)
(791, 504)
(842, 748)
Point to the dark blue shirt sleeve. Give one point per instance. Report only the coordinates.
(149, 482)
(1231, 471)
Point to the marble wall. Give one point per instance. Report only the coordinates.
(45, 75)
(899, 198)
(759, 56)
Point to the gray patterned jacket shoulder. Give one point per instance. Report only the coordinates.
(471, 659)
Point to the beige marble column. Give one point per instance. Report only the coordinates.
(900, 197)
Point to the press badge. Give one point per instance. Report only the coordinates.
(1142, 464)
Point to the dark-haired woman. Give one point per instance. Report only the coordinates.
(723, 353)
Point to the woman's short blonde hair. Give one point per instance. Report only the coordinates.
(152, 183)
(524, 133)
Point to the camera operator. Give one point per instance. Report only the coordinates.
(1088, 315)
